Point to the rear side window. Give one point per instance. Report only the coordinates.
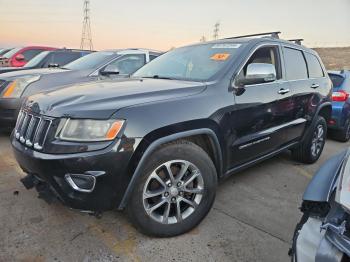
(295, 64)
(29, 54)
(315, 69)
(337, 80)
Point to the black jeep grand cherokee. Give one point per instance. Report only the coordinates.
(157, 144)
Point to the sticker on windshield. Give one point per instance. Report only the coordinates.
(228, 46)
(220, 57)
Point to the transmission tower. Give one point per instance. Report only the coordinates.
(203, 39)
(86, 37)
(216, 31)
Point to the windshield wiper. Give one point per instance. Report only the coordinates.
(158, 77)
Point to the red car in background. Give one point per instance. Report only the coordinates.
(19, 56)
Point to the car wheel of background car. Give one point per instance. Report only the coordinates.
(175, 192)
(342, 135)
(311, 148)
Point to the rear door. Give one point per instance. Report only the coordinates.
(305, 79)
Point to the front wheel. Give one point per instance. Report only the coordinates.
(175, 191)
(311, 148)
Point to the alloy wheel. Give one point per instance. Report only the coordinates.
(317, 141)
(173, 191)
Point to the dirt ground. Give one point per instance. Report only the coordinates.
(335, 58)
(252, 220)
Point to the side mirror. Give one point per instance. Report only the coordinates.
(258, 73)
(110, 70)
(19, 57)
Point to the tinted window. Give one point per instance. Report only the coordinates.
(337, 80)
(37, 59)
(12, 52)
(91, 61)
(127, 64)
(295, 64)
(62, 58)
(29, 54)
(315, 69)
(196, 63)
(151, 57)
(266, 55)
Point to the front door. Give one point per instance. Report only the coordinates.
(260, 113)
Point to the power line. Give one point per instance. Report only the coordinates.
(86, 37)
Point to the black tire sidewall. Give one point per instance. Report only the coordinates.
(177, 151)
(320, 121)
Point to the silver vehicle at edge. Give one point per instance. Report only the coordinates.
(323, 234)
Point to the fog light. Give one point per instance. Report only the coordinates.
(81, 183)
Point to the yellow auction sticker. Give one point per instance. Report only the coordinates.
(220, 57)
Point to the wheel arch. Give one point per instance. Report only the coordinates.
(325, 111)
(206, 138)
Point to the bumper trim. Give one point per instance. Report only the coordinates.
(70, 181)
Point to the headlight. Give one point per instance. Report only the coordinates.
(89, 130)
(16, 87)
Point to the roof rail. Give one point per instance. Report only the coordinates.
(296, 41)
(271, 34)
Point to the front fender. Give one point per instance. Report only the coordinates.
(324, 181)
(163, 140)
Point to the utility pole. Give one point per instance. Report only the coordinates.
(216, 31)
(86, 37)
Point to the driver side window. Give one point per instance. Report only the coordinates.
(127, 64)
(264, 55)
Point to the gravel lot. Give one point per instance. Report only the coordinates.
(252, 220)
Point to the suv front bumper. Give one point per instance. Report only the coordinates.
(9, 108)
(109, 166)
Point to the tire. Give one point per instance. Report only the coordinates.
(305, 152)
(187, 162)
(342, 135)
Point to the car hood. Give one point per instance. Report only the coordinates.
(100, 99)
(42, 71)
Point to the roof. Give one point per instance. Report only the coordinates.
(260, 38)
(133, 50)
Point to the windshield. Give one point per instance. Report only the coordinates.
(12, 52)
(37, 59)
(91, 61)
(193, 63)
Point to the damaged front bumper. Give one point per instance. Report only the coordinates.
(312, 243)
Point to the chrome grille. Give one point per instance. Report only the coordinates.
(32, 130)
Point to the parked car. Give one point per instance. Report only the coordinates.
(323, 233)
(19, 56)
(157, 143)
(4, 51)
(339, 123)
(45, 59)
(16, 86)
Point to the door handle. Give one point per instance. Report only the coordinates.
(314, 86)
(283, 91)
